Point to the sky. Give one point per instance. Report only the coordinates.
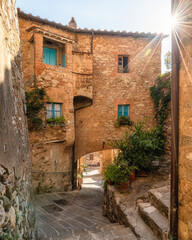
(130, 15)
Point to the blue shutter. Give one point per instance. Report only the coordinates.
(53, 57)
(46, 55)
(126, 110)
(63, 61)
(120, 110)
(50, 56)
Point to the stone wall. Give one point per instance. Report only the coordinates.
(51, 165)
(185, 129)
(16, 212)
(89, 87)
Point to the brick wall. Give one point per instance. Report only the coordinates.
(185, 131)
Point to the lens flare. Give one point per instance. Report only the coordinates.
(174, 21)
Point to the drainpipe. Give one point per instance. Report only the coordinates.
(175, 133)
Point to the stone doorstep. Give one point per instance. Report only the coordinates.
(160, 198)
(139, 228)
(158, 223)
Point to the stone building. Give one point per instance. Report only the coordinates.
(91, 78)
(181, 204)
(16, 212)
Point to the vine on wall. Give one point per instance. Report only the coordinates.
(35, 100)
(161, 95)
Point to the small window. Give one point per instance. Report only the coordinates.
(54, 110)
(123, 110)
(54, 53)
(123, 64)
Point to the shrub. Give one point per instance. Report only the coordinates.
(118, 172)
(140, 146)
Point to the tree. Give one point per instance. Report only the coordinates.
(167, 60)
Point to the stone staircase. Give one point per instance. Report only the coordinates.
(154, 212)
(148, 220)
(112, 231)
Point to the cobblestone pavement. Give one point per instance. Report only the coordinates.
(77, 214)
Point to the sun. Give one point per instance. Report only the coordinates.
(174, 21)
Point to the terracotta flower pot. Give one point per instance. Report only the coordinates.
(133, 176)
(124, 187)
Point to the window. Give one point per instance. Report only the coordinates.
(54, 53)
(50, 56)
(123, 64)
(54, 110)
(123, 110)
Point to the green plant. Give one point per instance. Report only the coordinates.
(161, 95)
(140, 146)
(123, 120)
(56, 121)
(35, 100)
(118, 172)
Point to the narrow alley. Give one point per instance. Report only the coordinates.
(77, 214)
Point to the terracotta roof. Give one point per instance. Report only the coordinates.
(85, 30)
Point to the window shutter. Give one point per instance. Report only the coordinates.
(45, 55)
(126, 110)
(53, 57)
(120, 110)
(63, 61)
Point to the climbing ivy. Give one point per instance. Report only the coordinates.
(161, 95)
(35, 100)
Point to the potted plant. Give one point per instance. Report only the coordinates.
(59, 121)
(123, 120)
(119, 174)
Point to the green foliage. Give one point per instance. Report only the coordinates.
(167, 60)
(161, 95)
(118, 172)
(35, 100)
(123, 120)
(140, 146)
(56, 121)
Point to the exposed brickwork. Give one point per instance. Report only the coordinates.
(91, 76)
(185, 133)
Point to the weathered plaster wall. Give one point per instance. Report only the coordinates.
(16, 212)
(185, 132)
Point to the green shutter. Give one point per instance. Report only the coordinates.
(53, 56)
(120, 110)
(50, 56)
(63, 61)
(126, 110)
(45, 55)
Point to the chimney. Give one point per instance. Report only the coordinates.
(73, 23)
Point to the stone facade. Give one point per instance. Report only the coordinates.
(185, 129)
(89, 87)
(16, 212)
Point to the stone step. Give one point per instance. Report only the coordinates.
(152, 217)
(160, 198)
(137, 225)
